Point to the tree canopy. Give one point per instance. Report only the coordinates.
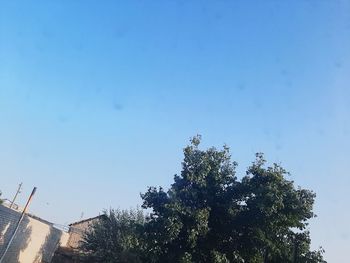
(208, 215)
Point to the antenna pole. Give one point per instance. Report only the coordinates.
(18, 191)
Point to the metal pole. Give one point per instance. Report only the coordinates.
(18, 224)
(18, 191)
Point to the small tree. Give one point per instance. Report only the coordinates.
(116, 237)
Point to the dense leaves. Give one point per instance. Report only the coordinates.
(116, 237)
(208, 215)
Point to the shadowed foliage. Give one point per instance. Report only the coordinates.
(116, 237)
(208, 215)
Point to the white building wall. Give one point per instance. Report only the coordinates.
(35, 241)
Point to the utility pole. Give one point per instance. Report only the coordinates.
(18, 191)
(17, 226)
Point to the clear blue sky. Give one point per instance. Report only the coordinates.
(98, 98)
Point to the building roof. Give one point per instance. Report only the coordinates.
(86, 220)
(39, 219)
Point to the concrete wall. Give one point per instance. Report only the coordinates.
(35, 242)
(77, 230)
(64, 239)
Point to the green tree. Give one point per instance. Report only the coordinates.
(116, 237)
(208, 215)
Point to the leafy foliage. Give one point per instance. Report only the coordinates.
(208, 215)
(115, 237)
